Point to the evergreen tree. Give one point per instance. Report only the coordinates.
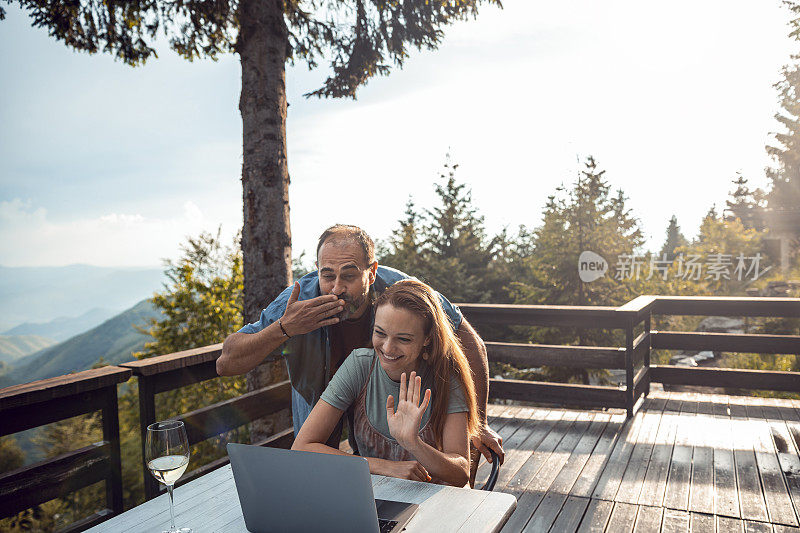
(674, 239)
(744, 204)
(785, 175)
(589, 218)
(457, 253)
(404, 247)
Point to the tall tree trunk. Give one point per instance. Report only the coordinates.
(266, 236)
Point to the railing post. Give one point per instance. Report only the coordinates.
(110, 413)
(629, 391)
(147, 416)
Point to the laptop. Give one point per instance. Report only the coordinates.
(293, 491)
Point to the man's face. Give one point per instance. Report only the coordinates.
(343, 271)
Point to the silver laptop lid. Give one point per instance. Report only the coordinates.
(293, 491)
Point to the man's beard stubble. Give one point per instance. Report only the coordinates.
(351, 305)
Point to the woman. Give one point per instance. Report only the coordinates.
(402, 432)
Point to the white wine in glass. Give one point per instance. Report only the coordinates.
(167, 456)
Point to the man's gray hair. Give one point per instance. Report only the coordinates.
(347, 232)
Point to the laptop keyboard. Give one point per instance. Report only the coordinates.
(386, 525)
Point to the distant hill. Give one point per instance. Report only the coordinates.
(114, 340)
(13, 347)
(62, 328)
(41, 294)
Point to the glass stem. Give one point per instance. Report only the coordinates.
(171, 510)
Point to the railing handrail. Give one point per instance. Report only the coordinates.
(174, 361)
(61, 386)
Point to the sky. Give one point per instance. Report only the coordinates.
(109, 165)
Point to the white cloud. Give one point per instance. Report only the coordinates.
(31, 238)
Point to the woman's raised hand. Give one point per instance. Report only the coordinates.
(404, 422)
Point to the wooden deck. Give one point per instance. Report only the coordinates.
(685, 462)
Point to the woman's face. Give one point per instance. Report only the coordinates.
(398, 339)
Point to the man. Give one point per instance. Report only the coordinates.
(316, 323)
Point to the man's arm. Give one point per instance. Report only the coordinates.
(475, 351)
(242, 352)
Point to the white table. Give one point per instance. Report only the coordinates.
(210, 503)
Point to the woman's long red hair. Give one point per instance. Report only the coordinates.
(445, 354)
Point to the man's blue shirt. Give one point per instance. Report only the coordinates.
(308, 356)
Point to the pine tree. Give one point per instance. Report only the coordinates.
(404, 247)
(674, 239)
(744, 204)
(456, 250)
(785, 175)
(589, 218)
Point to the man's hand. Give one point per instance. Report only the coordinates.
(308, 315)
(487, 438)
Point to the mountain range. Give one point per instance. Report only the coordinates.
(114, 341)
(62, 328)
(13, 347)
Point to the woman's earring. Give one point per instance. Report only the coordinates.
(425, 355)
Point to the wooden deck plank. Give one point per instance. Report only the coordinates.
(546, 513)
(648, 519)
(506, 425)
(593, 469)
(776, 493)
(614, 469)
(523, 443)
(701, 488)
(631, 484)
(757, 527)
(596, 516)
(558, 458)
(623, 518)
(748, 481)
(655, 481)
(680, 469)
(702, 523)
(526, 505)
(777, 528)
(726, 524)
(580, 455)
(528, 470)
(726, 497)
(785, 436)
(571, 514)
(675, 521)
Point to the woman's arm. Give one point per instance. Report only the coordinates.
(450, 465)
(317, 428)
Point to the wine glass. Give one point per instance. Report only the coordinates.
(167, 456)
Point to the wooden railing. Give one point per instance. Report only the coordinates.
(729, 342)
(633, 357)
(35, 404)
